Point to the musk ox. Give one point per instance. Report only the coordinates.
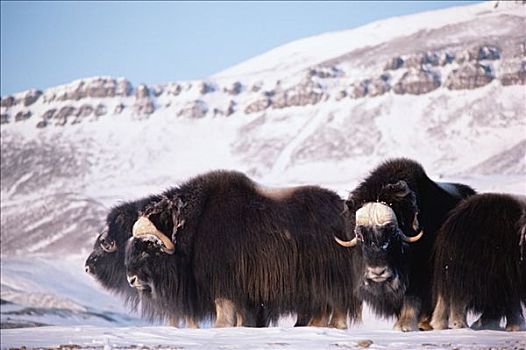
(479, 263)
(106, 262)
(252, 253)
(397, 210)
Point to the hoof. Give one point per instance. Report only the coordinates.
(222, 325)
(438, 324)
(458, 324)
(425, 326)
(514, 327)
(338, 325)
(486, 324)
(406, 326)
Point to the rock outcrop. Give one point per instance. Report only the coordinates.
(258, 105)
(195, 110)
(417, 82)
(143, 104)
(470, 76)
(31, 97)
(100, 87)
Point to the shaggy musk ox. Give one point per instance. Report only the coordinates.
(251, 253)
(479, 263)
(106, 262)
(397, 210)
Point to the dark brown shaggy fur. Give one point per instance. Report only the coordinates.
(479, 259)
(270, 253)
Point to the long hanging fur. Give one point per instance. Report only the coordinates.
(479, 259)
(270, 252)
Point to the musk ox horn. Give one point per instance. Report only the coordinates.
(347, 244)
(108, 247)
(411, 239)
(144, 227)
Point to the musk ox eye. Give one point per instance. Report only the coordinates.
(109, 246)
(358, 231)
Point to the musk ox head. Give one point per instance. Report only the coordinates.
(141, 260)
(106, 262)
(149, 248)
(383, 231)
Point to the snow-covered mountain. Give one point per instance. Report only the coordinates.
(446, 88)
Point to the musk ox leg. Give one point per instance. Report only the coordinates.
(320, 320)
(356, 316)
(240, 320)
(440, 314)
(191, 323)
(246, 318)
(514, 318)
(338, 319)
(225, 313)
(424, 323)
(302, 320)
(488, 320)
(457, 316)
(262, 317)
(408, 317)
(173, 321)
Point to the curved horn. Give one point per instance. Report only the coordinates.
(411, 239)
(347, 244)
(108, 245)
(144, 227)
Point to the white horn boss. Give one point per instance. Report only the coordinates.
(144, 227)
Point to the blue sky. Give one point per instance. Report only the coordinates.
(44, 44)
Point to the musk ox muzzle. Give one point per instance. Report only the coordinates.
(144, 228)
(135, 282)
(379, 214)
(378, 274)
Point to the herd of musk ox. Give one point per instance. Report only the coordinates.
(221, 248)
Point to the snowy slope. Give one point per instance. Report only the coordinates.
(301, 54)
(446, 88)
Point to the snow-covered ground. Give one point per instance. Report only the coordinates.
(90, 337)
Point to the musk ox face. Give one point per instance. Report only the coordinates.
(382, 245)
(107, 265)
(382, 251)
(144, 260)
